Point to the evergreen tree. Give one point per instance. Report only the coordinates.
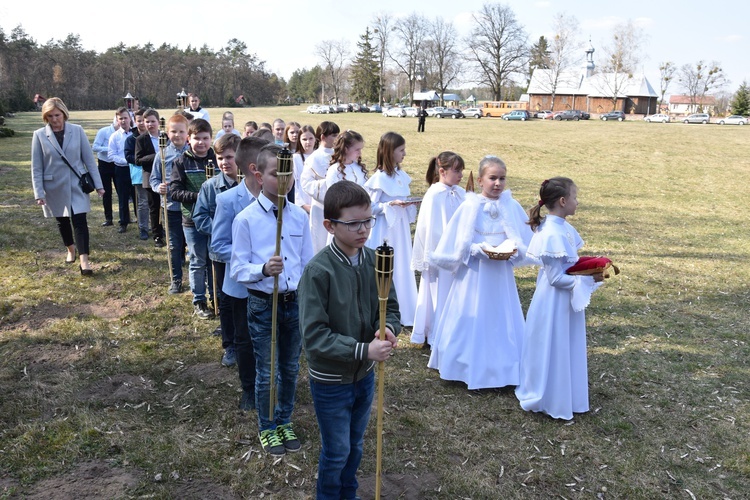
(741, 100)
(365, 72)
(539, 55)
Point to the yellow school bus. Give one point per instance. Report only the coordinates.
(499, 108)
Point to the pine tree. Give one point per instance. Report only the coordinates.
(741, 100)
(365, 72)
(539, 55)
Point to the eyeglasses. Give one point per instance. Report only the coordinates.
(355, 225)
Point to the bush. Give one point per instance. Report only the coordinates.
(7, 132)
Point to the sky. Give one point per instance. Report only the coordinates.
(284, 33)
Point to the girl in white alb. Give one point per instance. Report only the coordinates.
(389, 191)
(313, 180)
(439, 204)
(478, 337)
(554, 375)
(306, 147)
(346, 160)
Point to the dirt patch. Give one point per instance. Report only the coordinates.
(401, 486)
(87, 480)
(120, 388)
(209, 374)
(46, 358)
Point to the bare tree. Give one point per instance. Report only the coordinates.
(498, 46)
(701, 79)
(666, 74)
(621, 58)
(334, 54)
(382, 27)
(411, 32)
(442, 54)
(564, 51)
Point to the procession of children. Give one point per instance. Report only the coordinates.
(320, 275)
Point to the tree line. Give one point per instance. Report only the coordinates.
(393, 58)
(85, 79)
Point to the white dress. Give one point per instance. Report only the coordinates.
(300, 196)
(352, 172)
(438, 205)
(554, 376)
(393, 223)
(313, 182)
(479, 333)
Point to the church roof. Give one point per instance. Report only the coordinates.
(574, 82)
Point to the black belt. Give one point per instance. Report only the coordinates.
(283, 297)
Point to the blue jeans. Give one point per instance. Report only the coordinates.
(288, 348)
(176, 243)
(342, 412)
(200, 265)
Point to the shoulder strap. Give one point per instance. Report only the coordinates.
(69, 165)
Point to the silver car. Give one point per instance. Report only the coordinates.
(733, 120)
(697, 118)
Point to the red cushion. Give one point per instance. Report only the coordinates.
(587, 265)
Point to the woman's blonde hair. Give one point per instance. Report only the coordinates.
(54, 103)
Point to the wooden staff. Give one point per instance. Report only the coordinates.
(210, 172)
(162, 151)
(383, 276)
(470, 182)
(283, 174)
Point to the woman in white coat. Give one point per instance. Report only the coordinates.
(56, 186)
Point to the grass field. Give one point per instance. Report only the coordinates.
(110, 388)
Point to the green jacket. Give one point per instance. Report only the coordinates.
(339, 315)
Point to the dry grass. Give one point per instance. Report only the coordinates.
(114, 370)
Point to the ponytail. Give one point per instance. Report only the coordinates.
(446, 160)
(550, 191)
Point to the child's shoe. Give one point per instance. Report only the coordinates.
(271, 442)
(288, 437)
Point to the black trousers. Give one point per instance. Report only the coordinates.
(107, 172)
(154, 211)
(79, 233)
(124, 193)
(226, 320)
(243, 344)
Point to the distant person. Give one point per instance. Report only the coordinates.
(291, 135)
(146, 146)
(250, 127)
(116, 155)
(227, 126)
(278, 131)
(266, 126)
(177, 129)
(60, 154)
(306, 147)
(106, 167)
(195, 107)
(136, 174)
(422, 116)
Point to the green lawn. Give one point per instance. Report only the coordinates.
(112, 375)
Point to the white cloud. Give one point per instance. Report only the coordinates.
(542, 5)
(731, 38)
(463, 21)
(643, 22)
(601, 23)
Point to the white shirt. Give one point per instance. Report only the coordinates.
(254, 243)
(116, 152)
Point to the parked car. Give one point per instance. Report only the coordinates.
(432, 111)
(313, 109)
(395, 111)
(452, 112)
(658, 117)
(613, 115)
(517, 114)
(697, 118)
(411, 111)
(733, 120)
(473, 113)
(571, 114)
(375, 108)
(544, 114)
(363, 108)
(341, 108)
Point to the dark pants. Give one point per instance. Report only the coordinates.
(154, 209)
(242, 344)
(81, 230)
(124, 188)
(107, 172)
(343, 411)
(420, 126)
(176, 243)
(225, 307)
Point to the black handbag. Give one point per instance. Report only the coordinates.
(84, 180)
